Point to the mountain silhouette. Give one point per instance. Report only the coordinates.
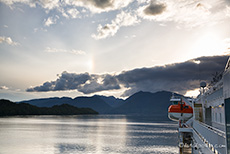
(140, 103)
(49, 102)
(94, 102)
(146, 103)
(112, 101)
(8, 108)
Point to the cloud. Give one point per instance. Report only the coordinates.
(177, 77)
(228, 11)
(123, 19)
(66, 81)
(99, 83)
(69, 13)
(51, 21)
(46, 4)
(85, 83)
(227, 45)
(73, 51)
(49, 4)
(95, 6)
(98, 6)
(154, 8)
(3, 88)
(186, 13)
(106, 31)
(8, 40)
(12, 2)
(73, 13)
(68, 8)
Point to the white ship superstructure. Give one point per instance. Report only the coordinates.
(208, 131)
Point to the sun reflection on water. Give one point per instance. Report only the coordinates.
(85, 134)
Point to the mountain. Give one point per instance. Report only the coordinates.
(94, 102)
(49, 102)
(146, 103)
(140, 103)
(8, 108)
(112, 101)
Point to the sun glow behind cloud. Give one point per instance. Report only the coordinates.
(90, 64)
(193, 93)
(95, 37)
(209, 44)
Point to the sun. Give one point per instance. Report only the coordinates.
(208, 44)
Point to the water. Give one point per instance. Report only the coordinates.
(100, 134)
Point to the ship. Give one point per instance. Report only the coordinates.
(204, 121)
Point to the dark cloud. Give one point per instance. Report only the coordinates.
(47, 86)
(100, 83)
(199, 5)
(67, 81)
(228, 2)
(178, 77)
(102, 4)
(85, 83)
(154, 8)
(3, 88)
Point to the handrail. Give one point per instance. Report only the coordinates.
(215, 130)
(211, 135)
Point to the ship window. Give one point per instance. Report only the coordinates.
(175, 102)
(220, 118)
(215, 117)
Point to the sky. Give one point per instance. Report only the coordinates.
(55, 48)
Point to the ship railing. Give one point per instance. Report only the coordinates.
(216, 130)
(175, 98)
(213, 88)
(212, 136)
(187, 101)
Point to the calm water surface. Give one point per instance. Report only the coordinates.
(100, 134)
